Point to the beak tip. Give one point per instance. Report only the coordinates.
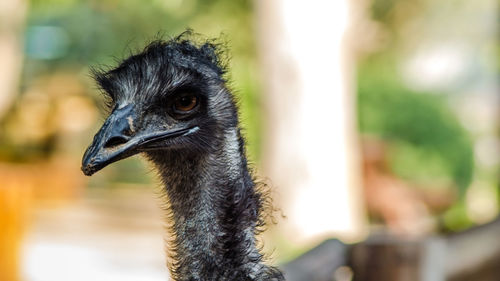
(89, 165)
(88, 170)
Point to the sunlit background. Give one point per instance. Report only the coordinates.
(366, 116)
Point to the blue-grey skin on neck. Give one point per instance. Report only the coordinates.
(214, 207)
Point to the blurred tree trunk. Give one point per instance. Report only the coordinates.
(12, 17)
(311, 146)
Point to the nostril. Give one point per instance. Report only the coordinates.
(114, 141)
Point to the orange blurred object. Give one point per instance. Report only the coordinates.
(404, 208)
(23, 185)
(15, 197)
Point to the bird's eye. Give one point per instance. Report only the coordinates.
(185, 103)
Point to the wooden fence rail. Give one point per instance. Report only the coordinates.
(472, 255)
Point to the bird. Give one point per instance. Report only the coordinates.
(171, 103)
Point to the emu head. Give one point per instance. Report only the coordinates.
(171, 96)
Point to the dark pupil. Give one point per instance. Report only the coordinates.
(186, 101)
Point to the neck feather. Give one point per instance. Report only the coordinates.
(215, 212)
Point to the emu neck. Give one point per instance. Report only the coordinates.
(215, 210)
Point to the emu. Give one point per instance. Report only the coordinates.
(172, 104)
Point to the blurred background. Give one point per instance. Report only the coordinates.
(366, 116)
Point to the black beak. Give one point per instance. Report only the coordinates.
(117, 139)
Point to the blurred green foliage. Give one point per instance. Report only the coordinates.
(426, 143)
